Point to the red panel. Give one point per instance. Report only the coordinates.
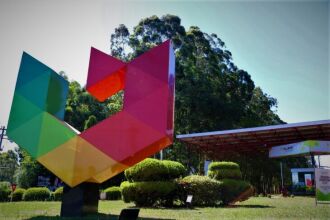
(109, 85)
(121, 136)
(101, 65)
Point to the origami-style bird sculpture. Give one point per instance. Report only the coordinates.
(142, 128)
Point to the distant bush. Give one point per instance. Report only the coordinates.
(58, 194)
(17, 195)
(36, 194)
(113, 193)
(232, 189)
(4, 191)
(149, 193)
(155, 170)
(205, 191)
(224, 170)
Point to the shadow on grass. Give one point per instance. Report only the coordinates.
(248, 206)
(99, 216)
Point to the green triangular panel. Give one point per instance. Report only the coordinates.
(36, 90)
(21, 111)
(57, 94)
(30, 69)
(27, 135)
(53, 134)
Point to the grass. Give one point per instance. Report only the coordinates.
(254, 208)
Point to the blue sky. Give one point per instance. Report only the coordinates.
(284, 45)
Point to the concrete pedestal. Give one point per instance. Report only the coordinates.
(80, 200)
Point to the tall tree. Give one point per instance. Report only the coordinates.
(212, 93)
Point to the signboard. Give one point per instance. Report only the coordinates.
(322, 184)
(43, 181)
(301, 148)
(308, 180)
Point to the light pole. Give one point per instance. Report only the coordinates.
(2, 135)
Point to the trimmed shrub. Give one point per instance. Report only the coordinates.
(113, 193)
(149, 193)
(36, 194)
(175, 169)
(232, 189)
(154, 170)
(17, 195)
(205, 191)
(4, 191)
(58, 194)
(224, 170)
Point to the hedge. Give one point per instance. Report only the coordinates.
(149, 193)
(232, 189)
(4, 191)
(205, 191)
(155, 170)
(36, 194)
(224, 170)
(17, 195)
(113, 193)
(58, 194)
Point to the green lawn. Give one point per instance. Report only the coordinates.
(254, 208)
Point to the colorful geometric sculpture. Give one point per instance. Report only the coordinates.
(142, 128)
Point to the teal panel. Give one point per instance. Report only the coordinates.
(22, 111)
(36, 90)
(57, 94)
(27, 135)
(30, 69)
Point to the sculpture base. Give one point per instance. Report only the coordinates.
(80, 200)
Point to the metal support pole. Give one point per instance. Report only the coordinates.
(2, 135)
(282, 181)
(313, 161)
(161, 154)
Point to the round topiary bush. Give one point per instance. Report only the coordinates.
(113, 193)
(149, 193)
(224, 170)
(175, 169)
(17, 195)
(154, 170)
(58, 194)
(205, 191)
(36, 194)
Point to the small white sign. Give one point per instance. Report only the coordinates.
(189, 198)
(103, 195)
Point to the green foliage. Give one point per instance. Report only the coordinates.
(224, 170)
(90, 122)
(113, 193)
(36, 194)
(149, 193)
(223, 165)
(205, 191)
(232, 188)
(154, 170)
(30, 169)
(4, 191)
(83, 110)
(58, 194)
(8, 164)
(212, 93)
(17, 195)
